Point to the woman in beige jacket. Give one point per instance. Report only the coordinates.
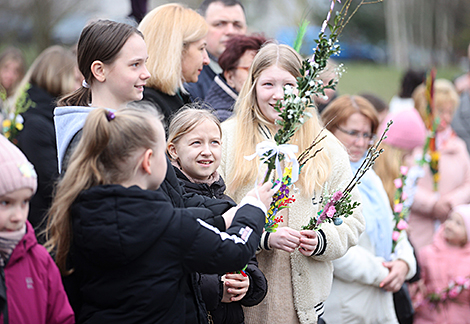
(296, 263)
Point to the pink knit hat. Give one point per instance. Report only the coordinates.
(15, 170)
(407, 131)
(464, 211)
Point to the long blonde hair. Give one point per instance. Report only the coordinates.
(168, 31)
(249, 118)
(387, 168)
(104, 155)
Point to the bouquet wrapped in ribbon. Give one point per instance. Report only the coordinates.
(292, 110)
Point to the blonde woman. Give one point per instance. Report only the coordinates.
(432, 207)
(51, 75)
(176, 42)
(296, 263)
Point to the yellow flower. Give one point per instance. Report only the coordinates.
(7, 123)
(19, 126)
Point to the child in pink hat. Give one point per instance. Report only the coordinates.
(444, 264)
(31, 288)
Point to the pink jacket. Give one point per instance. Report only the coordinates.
(441, 263)
(34, 288)
(454, 188)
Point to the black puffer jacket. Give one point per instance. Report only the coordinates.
(211, 285)
(134, 252)
(167, 104)
(37, 140)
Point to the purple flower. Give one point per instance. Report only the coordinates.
(337, 196)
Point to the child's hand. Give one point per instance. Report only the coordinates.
(228, 216)
(308, 242)
(285, 238)
(265, 193)
(235, 287)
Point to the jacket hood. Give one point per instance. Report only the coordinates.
(439, 243)
(68, 121)
(26, 243)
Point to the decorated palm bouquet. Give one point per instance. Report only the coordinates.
(293, 112)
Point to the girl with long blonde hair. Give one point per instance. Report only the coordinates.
(297, 263)
(132, 253)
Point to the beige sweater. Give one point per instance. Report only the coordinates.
(296, 284)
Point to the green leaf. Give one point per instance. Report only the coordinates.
(300, 35)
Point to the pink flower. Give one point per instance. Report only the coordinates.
(454, 292)
(403, 170)
(398, 183)
(395, 235)
(331, 212)
(337, 196)
(402, 224)
(459, 280)
(398, 208)
(404, 196)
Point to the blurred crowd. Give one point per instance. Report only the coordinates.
(126, 158)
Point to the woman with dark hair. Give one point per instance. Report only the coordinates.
(235, 62)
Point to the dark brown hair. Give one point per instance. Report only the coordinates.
(101, 40)
(236, 47)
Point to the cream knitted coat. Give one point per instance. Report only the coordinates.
(308, 278)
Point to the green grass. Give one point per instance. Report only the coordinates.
(381, 80)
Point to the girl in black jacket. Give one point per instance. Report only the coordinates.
(132, 251)
(194, 148)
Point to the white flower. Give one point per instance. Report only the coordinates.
(325, 98)
(288, 90)
(296, 100)
(311, 83)
(308, 93)
(301, 120)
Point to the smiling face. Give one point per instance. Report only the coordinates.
(126, 76)
(194, 58)
(355, 134)
(455, 231)
(198, 152)
(270, 88)
(14, 207)
(224, 22)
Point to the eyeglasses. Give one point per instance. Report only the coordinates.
(246, 68)
(353, 133)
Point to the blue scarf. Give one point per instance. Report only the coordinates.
(376, 211)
